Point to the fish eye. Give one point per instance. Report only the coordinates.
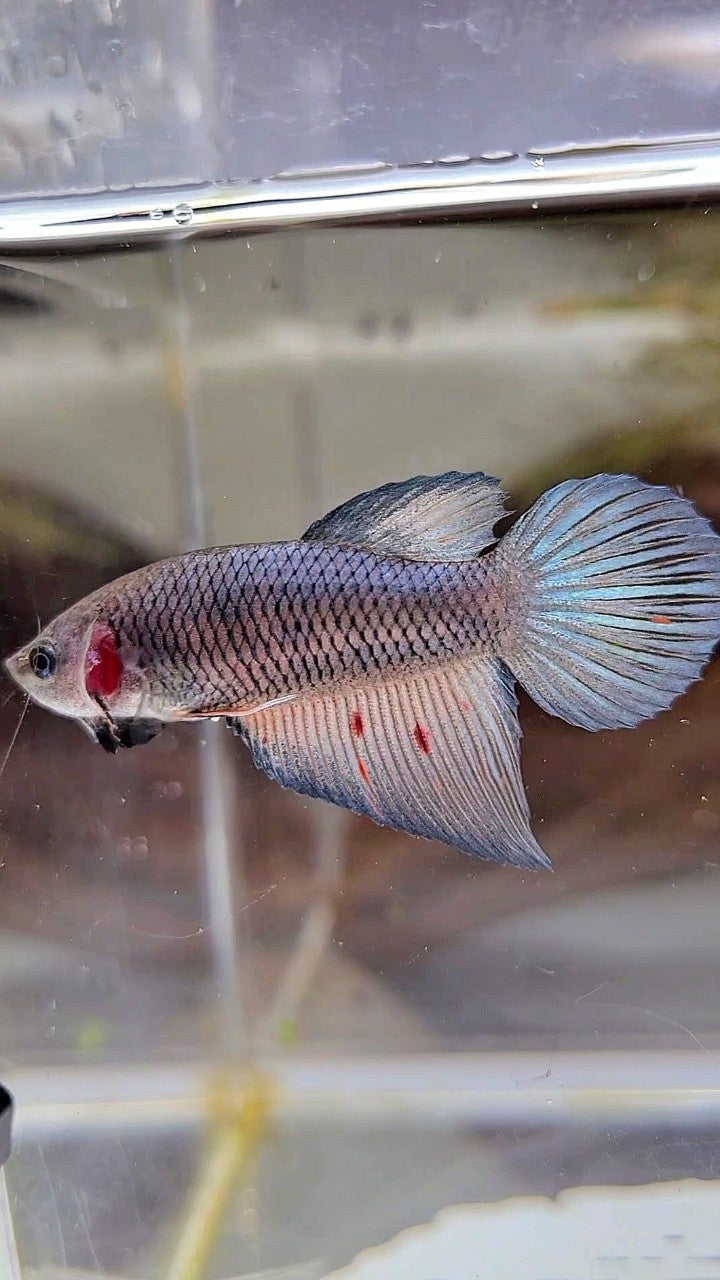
(42, 659)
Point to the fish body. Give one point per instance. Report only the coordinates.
(224, 631)
(373, 662)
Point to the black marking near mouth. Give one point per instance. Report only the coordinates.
(134, 733)
(105, 736)
(112, 735)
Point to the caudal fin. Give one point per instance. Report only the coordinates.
(616, 599)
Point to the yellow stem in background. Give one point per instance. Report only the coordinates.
(241, 1118)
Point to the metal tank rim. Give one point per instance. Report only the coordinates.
(565, 180)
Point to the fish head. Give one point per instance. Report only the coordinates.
(78, 667)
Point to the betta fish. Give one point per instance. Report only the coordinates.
(373, 662)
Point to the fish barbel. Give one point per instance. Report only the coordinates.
(372, 663)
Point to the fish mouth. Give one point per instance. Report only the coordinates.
(13, 666)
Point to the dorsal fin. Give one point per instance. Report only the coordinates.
(447, 517)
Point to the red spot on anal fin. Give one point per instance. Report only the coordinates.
(357, 731)
(659, 617)
(422, 738)
(103, 664)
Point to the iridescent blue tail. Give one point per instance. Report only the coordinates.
(618, 599)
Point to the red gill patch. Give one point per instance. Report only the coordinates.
(357, 728)
(659, 617)
(422, 738)
(103, 664)
(363, 772)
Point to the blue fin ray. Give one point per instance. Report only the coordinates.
(617, 606)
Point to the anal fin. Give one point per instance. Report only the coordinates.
(435, 753)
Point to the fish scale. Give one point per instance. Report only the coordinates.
(292, 616)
